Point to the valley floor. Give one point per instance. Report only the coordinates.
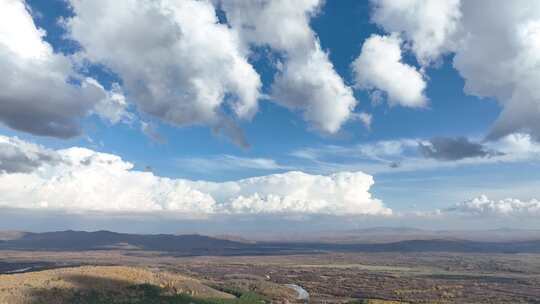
(327, 277)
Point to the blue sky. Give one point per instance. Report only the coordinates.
(407, 180)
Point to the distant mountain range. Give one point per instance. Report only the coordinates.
(100, 240)
(204, 245)
(397, 234)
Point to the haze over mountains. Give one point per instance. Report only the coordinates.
(368, 240)
(395, 234)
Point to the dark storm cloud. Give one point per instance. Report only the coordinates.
(447, 148)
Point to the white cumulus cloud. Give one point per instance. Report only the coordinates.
(40, 91)
(177, 62)
(379, 67)
(496, 47)
(79, 179)
(485, 206)
(306, 79)
(500, 58)
(429, 25)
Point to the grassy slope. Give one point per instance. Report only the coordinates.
(117, 285)
(150, 294)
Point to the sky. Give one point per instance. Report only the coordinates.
(269, 115)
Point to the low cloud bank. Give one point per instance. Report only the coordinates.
(485, 206)
(79, 179)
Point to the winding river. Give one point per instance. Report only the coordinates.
(302, 293)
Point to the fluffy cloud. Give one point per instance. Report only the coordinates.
(86, 180)
(428, 25)
(517, 144)
(311, 85)
(306, 78)
(496, 46)
(40, 92)
(168, 66)
(379, 67)
(114, 107)
(177, 62)
(484, 206)
(297, 192)
(510, 70)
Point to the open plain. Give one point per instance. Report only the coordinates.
(329, 276)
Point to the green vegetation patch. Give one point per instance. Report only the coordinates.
(151, 294)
